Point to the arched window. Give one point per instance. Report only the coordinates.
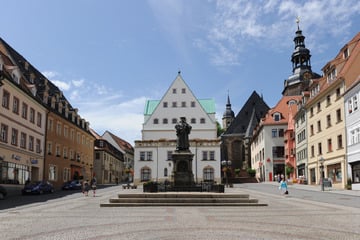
(208, 174)
(156, 121)
(145, 174)
(165, 121)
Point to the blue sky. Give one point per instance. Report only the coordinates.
(110, 56)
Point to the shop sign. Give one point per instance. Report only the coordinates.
(34, 161)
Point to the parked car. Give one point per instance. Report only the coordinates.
(38, 187)
(72, 185)
(3, 192)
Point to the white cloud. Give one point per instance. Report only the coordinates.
(78, 83)
(64, 86)
(239, 24)
(50, 74)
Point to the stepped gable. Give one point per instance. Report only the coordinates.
(253, 110)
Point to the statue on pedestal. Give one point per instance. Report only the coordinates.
(182, 132)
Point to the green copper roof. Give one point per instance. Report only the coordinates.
(207, 104)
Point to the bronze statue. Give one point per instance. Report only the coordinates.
(182, 132)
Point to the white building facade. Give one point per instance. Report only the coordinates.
(152, 158)
(352, 122)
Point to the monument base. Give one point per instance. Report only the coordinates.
(182, 175)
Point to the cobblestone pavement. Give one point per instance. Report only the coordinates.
(79, 217)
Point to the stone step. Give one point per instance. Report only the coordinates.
(182, 200)
(144, 204)
(183, 195)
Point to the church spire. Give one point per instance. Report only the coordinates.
(301, 66)
(228, 115)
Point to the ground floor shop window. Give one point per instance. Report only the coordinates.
(335, 172)
(355, 168)
(13, 173)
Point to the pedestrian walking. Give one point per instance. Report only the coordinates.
(86, 188)
(93, 185)
(283, 186)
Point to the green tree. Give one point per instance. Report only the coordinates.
(220, 130)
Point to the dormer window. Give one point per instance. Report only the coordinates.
(291, 102)
(331, 76)
(346, 53)
(277, 117)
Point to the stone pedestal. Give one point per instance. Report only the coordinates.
(182, 175)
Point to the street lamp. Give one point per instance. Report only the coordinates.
(226, 164)
(321, 161)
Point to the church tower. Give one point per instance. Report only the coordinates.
(301, 67)
(228, 115)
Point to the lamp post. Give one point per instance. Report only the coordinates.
(321, 161)
(226, 164)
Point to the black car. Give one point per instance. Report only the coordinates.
(72, 185)
(38, 187)
(3, 192)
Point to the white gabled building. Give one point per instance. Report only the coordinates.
(152, 158)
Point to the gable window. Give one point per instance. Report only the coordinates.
(174, 105)
(202, 120)
(174, 91)
(156, 121)
(165, 121)
(183, 104)
(165, 104)
(193, 104)
(277, 117)
(183, 90)
(193, 120)
(174, 120)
